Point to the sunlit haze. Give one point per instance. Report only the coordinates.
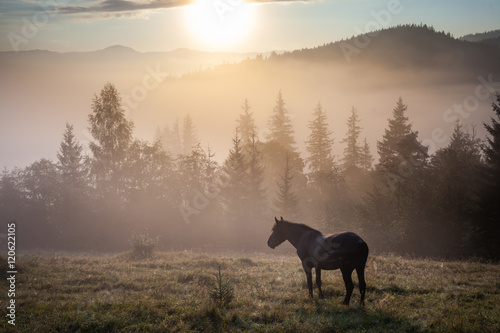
(192, 118)
(220, 25)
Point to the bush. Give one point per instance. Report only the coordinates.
(143, 244)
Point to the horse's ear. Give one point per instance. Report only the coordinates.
(275, 219)
(281, 218)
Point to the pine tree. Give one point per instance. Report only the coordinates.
(170, 139)
(401, 168)
(246, 125)
(319, 144)
(72, 169)
(399, 128)
(189, 136)
(235, 172)
(488, 215)
(113, 135)
(353, 151)
(256, 190)
(454, 175)
(286, 201)
(174, 140)
(280, 125)
(70, 162)
(401, 154)
(492, 149)
(366, 158)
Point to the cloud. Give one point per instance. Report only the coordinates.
(121, 6)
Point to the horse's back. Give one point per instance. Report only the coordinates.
(349, 245)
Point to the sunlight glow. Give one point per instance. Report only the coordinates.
(220, 23)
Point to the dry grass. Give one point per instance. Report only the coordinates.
(170, 292)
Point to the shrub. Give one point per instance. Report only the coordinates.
(143, 244)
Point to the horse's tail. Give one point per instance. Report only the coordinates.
(362, 250)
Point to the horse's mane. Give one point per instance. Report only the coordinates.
(301, 225)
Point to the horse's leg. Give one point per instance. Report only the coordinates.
(308, 271)
(318, 281)
(349, 286)
(362, 284)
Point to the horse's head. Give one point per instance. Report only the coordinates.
(278, 236)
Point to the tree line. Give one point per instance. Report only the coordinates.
(408, 201)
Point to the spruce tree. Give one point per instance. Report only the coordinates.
(319, 144)
(236, 178)
(255, 170)
(366, 156)
(399, 128)
(71, 162)
(286, 200)
(488, 215)
(73, 172)
(353, 151)
(401, 154)
(189, 136)
(170, 139)
(454, 174)
(280, 125)
(246, 125)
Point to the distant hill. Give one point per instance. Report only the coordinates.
(478, 37)
(401, 48)
(41, 90)
(121, 57)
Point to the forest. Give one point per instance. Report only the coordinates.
(402, 200)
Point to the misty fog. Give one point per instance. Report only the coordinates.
(43, 91)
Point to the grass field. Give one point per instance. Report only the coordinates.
(170, 292)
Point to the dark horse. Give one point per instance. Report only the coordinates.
(345, 250)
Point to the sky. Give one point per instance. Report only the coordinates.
(223, 25)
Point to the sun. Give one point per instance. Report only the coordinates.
(220, 23)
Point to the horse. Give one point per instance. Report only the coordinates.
(345, 250)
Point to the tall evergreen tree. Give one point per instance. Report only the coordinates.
(399, 128)
(189, 136)
(256, 190)
(488, 217)
(73, 173)
(246, 125)
(401, 154)
(353, 151)
(174, 141)
(366, 156)
(280, 125)
(235, 172)
(286, 202)
(454, 176)
(71, 162)
(112, 135)
(319, 144)
(170, 139)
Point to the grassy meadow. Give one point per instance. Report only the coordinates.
(170, 292)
